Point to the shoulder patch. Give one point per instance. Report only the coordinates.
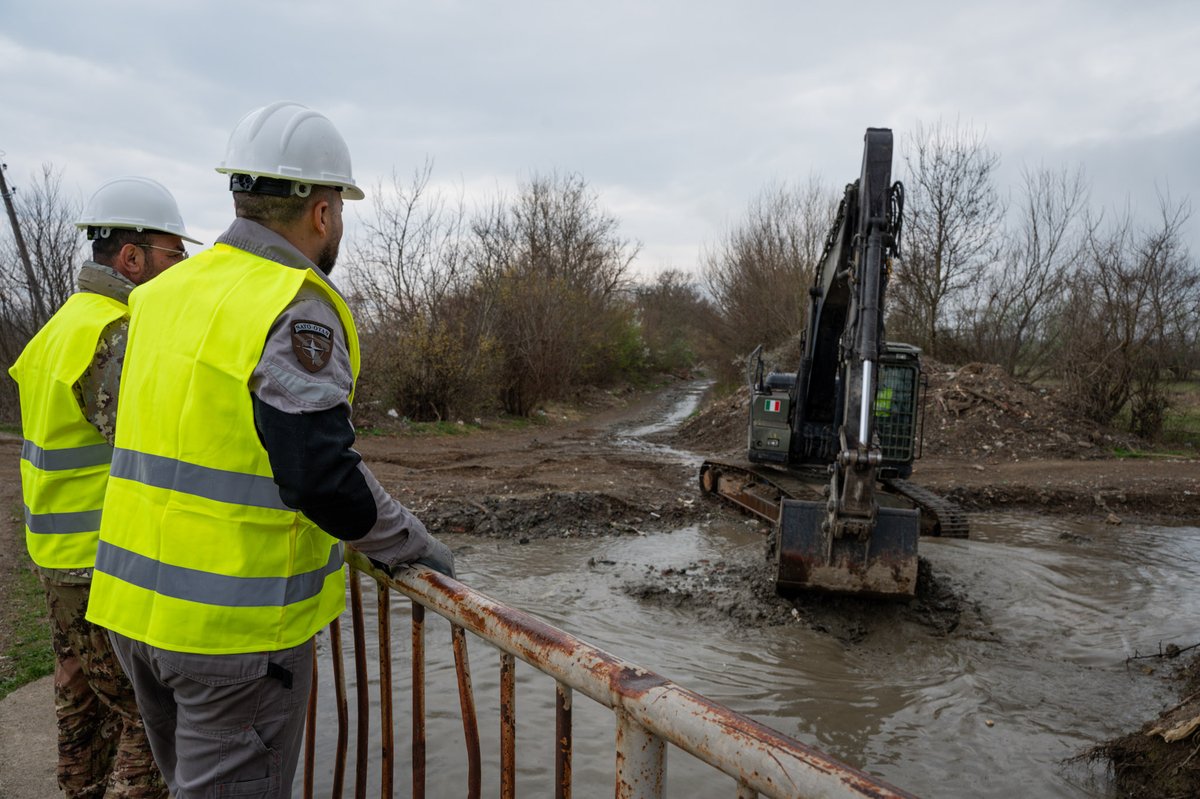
(313, 343)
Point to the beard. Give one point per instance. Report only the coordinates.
(328, 257)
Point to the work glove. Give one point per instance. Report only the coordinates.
(439, 558)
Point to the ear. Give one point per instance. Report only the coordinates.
(131, 262)
(319, 214)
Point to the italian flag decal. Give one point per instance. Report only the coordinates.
(771, 406)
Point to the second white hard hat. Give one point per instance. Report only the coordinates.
(133, 203)
(289, 142)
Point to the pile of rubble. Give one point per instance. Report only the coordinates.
(975, 411)
(978, 411)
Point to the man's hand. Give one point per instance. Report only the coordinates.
(439, 558)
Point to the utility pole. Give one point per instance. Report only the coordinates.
(35, 288)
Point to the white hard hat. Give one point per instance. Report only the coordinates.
(292, 143)
(132, 203)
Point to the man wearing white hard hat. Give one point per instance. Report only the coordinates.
(235, 482)
(69, 377)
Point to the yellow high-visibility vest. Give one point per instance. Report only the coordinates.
(883, 401)
(64, 459)
(197, 551)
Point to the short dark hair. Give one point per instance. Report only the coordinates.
(105, 248)
(276, 212)
(268, 210)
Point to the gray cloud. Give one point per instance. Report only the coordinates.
(678, 112)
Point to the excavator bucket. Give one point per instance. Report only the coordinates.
(884, 564)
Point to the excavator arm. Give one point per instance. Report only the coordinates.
(864, 264)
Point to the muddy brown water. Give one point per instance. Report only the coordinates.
(1039, 671)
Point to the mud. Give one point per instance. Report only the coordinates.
(742, 592)
(561, 514)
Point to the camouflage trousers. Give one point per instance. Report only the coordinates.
(102, 748)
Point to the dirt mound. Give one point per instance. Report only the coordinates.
(978, 411)
(974, 411)
(720, 426)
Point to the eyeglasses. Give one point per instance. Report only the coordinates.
(180, 254)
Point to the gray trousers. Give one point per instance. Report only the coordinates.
(221, 725)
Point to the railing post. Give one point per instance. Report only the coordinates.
(362, 689)
(562, 741)
(466, 701)
(641, 761)
(418, 701)
(386, 715)
(343, 709)
(508, 726)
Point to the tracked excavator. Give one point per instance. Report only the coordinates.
(831, 445)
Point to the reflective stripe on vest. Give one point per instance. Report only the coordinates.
(83, 521)
(200, 481)
(198, 551)
(58, 460)
(207, 588)
(64, 459)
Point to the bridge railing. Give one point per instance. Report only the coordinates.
(651, 712)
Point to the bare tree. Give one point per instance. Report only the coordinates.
(759, 274)
(55, 248)
(553, 267)
(953, 216)
(410, 256)
(1014, 318)
(410, 282)
(1134, 295)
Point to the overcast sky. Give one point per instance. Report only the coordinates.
(676, 113)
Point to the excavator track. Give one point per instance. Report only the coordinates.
(948, 519)
(759, 490)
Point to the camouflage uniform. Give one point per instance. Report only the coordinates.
(102, 747)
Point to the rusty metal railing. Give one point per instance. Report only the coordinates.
(650, 710)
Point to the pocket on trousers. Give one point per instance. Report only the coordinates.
(244, 753)
(215, 670)
(268, 787)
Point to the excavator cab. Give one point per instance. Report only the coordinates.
(896, 411)
(897, 408)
